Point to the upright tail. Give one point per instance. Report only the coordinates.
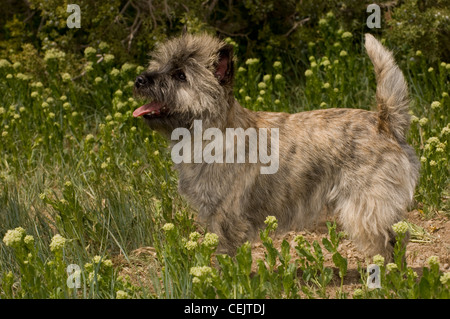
(392, 90)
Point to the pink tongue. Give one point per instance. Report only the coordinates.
(147, 108)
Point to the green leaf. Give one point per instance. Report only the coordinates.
(327, 244)
(341, 263)
(424, 289)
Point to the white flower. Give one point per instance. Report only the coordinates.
(107, 263)
(211, 240)
(433, 260)
(323, 22)
(191, 245)
(127, 67)
(168, 227)
(435, 105)
(89, 138)
(29, 240)
(57, 243)
(433, 140)
(200, 271)
(108, 58)
(120, 294)
(271, 221)
(325, 62)
(346, 35)
(88, 67)
(103, 46)
(445, 130)
(400, 227)
(96, 259)
(194, 236)
(391, 267)
(445, 278)
(343, 53)
(423, 121)
(54, 53)
(66, 77)
(4, 63)
(308, 73)
(13, 237)
(378, 260)
(114, 72)
(252, 61)
(89, 51)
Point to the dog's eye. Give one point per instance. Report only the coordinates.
(179, 75)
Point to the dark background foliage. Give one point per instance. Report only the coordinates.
(133, 28)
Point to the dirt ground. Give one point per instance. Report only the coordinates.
(436, 242)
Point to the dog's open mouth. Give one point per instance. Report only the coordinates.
(151, 110)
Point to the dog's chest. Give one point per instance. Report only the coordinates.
(209, 186)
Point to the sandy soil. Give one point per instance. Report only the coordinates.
(436, 243)
(418, 251)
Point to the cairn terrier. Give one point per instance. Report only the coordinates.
(350, 162)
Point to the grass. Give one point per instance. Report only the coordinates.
(74, 162)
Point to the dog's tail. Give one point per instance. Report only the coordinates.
(392, 90)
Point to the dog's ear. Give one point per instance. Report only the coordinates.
(225, 66)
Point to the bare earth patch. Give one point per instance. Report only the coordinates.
(143, 262)
(438, 244)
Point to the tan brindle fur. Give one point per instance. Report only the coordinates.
(350, 162)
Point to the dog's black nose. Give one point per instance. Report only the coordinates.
(140, 81)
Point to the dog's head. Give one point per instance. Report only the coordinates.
(188, 78)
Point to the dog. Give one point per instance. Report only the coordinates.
(353, 163)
